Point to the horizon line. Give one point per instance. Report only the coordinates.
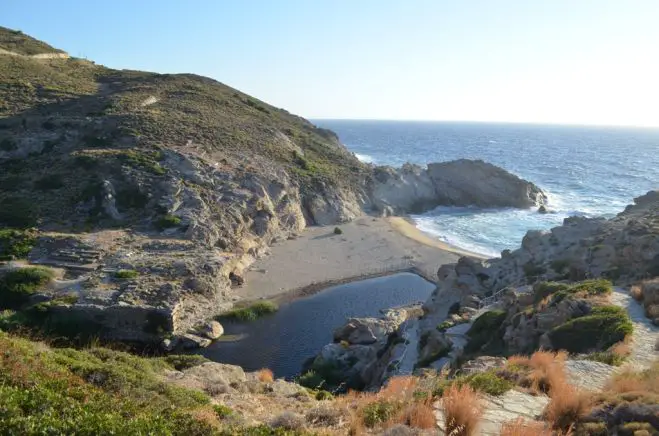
(535, 123)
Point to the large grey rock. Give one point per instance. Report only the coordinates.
(461, 182)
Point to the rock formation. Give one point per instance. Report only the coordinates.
(462, 182)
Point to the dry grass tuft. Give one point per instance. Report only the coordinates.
(566, 406)
(539, 372)
(421, 415)
(265, 375)
(462, 410)
(400, 388)
(520, 427)
(637, 293)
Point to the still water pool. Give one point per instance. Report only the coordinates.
(284, 340)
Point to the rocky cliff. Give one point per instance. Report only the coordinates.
(181, 181)
(464, 182)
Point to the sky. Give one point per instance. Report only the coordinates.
(542, 61)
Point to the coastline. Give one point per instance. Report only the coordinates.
(368, 247)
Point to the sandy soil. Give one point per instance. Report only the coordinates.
(368, 247)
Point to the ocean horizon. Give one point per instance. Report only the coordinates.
(585, 170)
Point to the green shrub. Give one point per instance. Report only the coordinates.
(143, 160)
(93, 391)
(222, 411)
(599, 330)
(125, 274)
(168, 221)
(16, 244)
(543, 290)
(250, 313)
(380, 411)
(323, 395)
(312, 380)
(444, 325)
(184, 361)
(18, 285)
(485, 329)
(488, 382)
(560, 291)
(607, 357)
(338, 231)
(593, 287)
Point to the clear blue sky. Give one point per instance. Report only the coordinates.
(557, 61)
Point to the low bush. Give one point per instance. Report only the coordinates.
(125, 274)
(95, 391)
(485, 329)
(184, 361)
(338, 231)
(488, 382)
(16, 244)
(379, 412)
(250, 313)
(222, 411)
(602, 328)
(543, 290)
(18, 285)
(168, 221)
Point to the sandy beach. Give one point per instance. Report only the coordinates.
(367, 247)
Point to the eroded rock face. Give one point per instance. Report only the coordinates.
(623, 249)
(463, 182)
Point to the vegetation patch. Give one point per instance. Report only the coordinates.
(125, 274)
(168, 221)
(18, 285)
(16, 244)
(485, 329)
(488, 382)
(250, 313)
(66, 391)
(602, 328)
(147, 161)
(560, 291)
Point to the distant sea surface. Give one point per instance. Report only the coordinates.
(586, 171)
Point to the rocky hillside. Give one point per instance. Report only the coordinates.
(153, 192)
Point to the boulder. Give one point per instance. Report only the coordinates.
(212, 330)
(190, 342)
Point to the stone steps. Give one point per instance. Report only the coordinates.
(70, 266)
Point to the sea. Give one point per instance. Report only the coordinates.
(585, 171)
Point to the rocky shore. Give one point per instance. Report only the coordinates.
(501, 294)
